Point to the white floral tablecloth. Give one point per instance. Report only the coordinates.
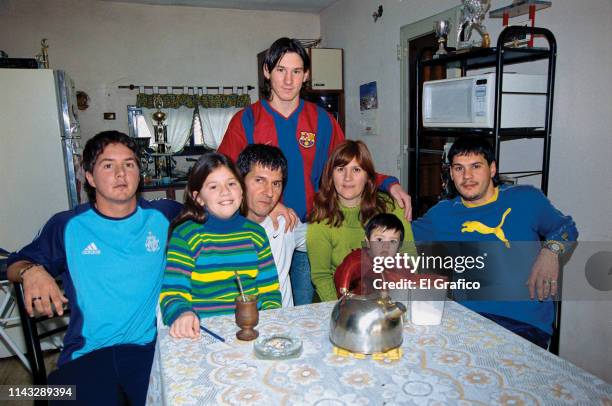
(465, 361)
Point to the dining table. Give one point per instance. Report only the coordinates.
(465, 360)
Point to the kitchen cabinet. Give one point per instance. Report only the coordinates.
(326, 72)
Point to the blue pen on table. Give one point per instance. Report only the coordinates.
(218, 337)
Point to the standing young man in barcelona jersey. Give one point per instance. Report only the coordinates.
(305, 133)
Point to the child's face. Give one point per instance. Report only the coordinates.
(221, 193)
(384, 242)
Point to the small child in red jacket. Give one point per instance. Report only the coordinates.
(384, 234)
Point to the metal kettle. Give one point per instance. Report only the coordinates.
(367, 324)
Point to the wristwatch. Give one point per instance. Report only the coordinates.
(554, 246)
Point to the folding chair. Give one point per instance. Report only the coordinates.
(8, 320)
(7, 317)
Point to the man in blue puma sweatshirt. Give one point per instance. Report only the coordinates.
(526, 230)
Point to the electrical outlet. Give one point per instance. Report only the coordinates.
(109, 116)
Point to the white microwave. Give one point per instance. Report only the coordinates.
(469, 101)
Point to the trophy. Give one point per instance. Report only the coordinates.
(472, 17)
(162, 159)
(43, 57)
(441, 29)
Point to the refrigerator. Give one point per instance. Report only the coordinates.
(40, 175)
(40, 152)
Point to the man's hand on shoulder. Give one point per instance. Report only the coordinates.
(40, 291)
(402, 199)
(290, 216)
(544, 275)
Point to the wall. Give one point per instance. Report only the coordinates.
(370, 54)
(103, 45)
(580, 161)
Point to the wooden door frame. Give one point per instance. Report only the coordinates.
(407, 33)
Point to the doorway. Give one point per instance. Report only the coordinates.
(413, 38)
(429, 171)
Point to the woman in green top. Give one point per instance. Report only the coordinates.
(346, 200)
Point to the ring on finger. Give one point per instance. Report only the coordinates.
(546, 282)
(553, 282)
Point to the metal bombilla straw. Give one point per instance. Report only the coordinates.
(240, 286)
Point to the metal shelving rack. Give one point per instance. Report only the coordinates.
(497, 57)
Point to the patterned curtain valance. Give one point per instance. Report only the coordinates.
(207, 101)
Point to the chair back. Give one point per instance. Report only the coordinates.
(33, 337)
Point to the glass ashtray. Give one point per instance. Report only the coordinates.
(278, 346)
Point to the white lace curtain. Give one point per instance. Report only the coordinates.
(214, 124)
(208, 127)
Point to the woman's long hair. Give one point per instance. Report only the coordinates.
(192, 210)
(327, 202)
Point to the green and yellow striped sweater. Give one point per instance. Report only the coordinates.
(201, 260)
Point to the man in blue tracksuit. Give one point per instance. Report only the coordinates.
(110, 255)
(510, 222)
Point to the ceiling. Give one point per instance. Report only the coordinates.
(308, 6)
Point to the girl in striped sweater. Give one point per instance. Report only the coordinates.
(208, 241)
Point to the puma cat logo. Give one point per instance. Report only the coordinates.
(478, 227)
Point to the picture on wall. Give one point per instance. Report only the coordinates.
(368, 106)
